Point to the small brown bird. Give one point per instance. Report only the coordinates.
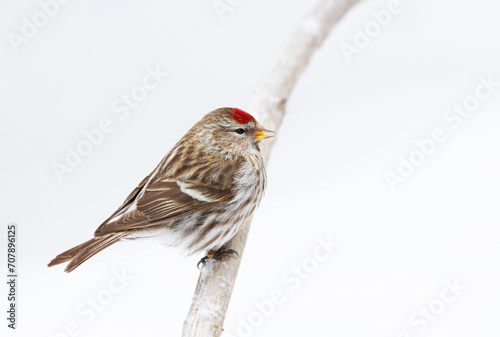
(198, 197)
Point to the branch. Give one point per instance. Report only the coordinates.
(216, 281)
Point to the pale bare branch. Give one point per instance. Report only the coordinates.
(216, 281)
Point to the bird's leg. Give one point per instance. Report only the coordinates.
(219, 255)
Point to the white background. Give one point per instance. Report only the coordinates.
(348, 124)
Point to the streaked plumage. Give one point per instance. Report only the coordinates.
(198, 196)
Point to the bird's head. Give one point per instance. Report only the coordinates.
(235, 130)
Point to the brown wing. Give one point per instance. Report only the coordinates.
(163, 201)
(175, 190)
(128, 201)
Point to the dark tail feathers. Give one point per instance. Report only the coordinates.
(81, 253)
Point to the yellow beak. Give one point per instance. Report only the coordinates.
(260, 134)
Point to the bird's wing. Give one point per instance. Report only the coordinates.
(128, 201)
(175, 189)
(163, 200)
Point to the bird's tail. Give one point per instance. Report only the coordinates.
(81, 253)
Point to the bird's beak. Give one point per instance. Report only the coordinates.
(262, 133)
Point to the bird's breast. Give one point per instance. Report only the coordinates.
(249, 186)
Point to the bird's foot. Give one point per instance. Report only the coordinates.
(219, 255)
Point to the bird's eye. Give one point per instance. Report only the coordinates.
(240, 131)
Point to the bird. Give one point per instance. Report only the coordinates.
(199, 195)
